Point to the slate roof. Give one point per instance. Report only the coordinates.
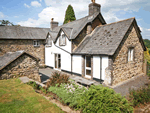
(19, 32)
(53, 34)
(78, 25)
(104, 39)
(10, 57)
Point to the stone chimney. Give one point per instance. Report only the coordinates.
(53, 24)
(93, 8)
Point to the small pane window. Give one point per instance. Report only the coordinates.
(49, 41)
(36, 43)
(130, 54)
(62, 40)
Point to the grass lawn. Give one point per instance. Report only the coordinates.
(16, 97)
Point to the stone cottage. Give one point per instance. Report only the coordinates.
(89, 47)
(20, 63)
(29, 39)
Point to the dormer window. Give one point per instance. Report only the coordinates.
(62, 41)
(49, 41)
(130, 54)
(36, 43)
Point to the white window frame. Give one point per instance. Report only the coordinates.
(88, 68)
(49, 41)
(130, 54)
(36, 43)
(62, 40)
(57, 61)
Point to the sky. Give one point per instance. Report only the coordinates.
(38, 13)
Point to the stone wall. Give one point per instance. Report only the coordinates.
(122, 69)
(25, 65)
(27, 45)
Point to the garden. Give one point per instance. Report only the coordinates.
(93, 99)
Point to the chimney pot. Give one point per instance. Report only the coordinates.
(53, 24)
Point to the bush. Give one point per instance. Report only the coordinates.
(140, 96)
(68, 94)
(57, 78)
(99, 99)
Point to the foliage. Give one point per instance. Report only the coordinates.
(57, 78)
(147, 43)
(33, 84)
(16, 97)
(6, 22)
(99, 99)
(69, 16)
(69, 94)
(140, 96)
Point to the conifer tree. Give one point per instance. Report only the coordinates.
(69, 16)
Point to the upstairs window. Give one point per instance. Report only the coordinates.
(49, 41)
(130, 54)
(62, 41)
(36, 43)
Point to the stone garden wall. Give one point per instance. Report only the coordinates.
(25, 65)
(26, 45)
(122, 69)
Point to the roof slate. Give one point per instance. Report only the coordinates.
(104, 39)
(77, 25)
(19, 32)
(10, 57)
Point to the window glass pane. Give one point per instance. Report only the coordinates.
(38, 43)
(35, 43)
(55, 60)
(88, 61)
(88, 72)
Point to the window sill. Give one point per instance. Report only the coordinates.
(48, 46)
(36, 46)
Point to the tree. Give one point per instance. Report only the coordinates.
(69, 16)
(6, 23)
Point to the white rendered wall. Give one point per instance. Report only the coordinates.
(65, 57)
(104, 66)
(67, 47)
(77, 64)
(96, 67)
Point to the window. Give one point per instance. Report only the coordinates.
(36, 43)
(88, 66)
(49, 41)
(57, 61)
(62, 40)
(130, 54)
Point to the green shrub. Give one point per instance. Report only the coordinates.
(99, 99)
(57, 78)
(68, 94)
(140, 96)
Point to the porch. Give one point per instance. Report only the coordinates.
(46, 73)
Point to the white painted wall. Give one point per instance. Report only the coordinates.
(67, 47)
(77, 64)
(104, 66)
(96, 67)
(65, 57)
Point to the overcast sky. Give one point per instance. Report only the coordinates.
(39, 13)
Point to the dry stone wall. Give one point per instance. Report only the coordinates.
(25, 65)
(27, 45)
(122, 69)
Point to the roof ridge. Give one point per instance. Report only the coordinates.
(25, 27)
(117, 22)
(72, 21)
